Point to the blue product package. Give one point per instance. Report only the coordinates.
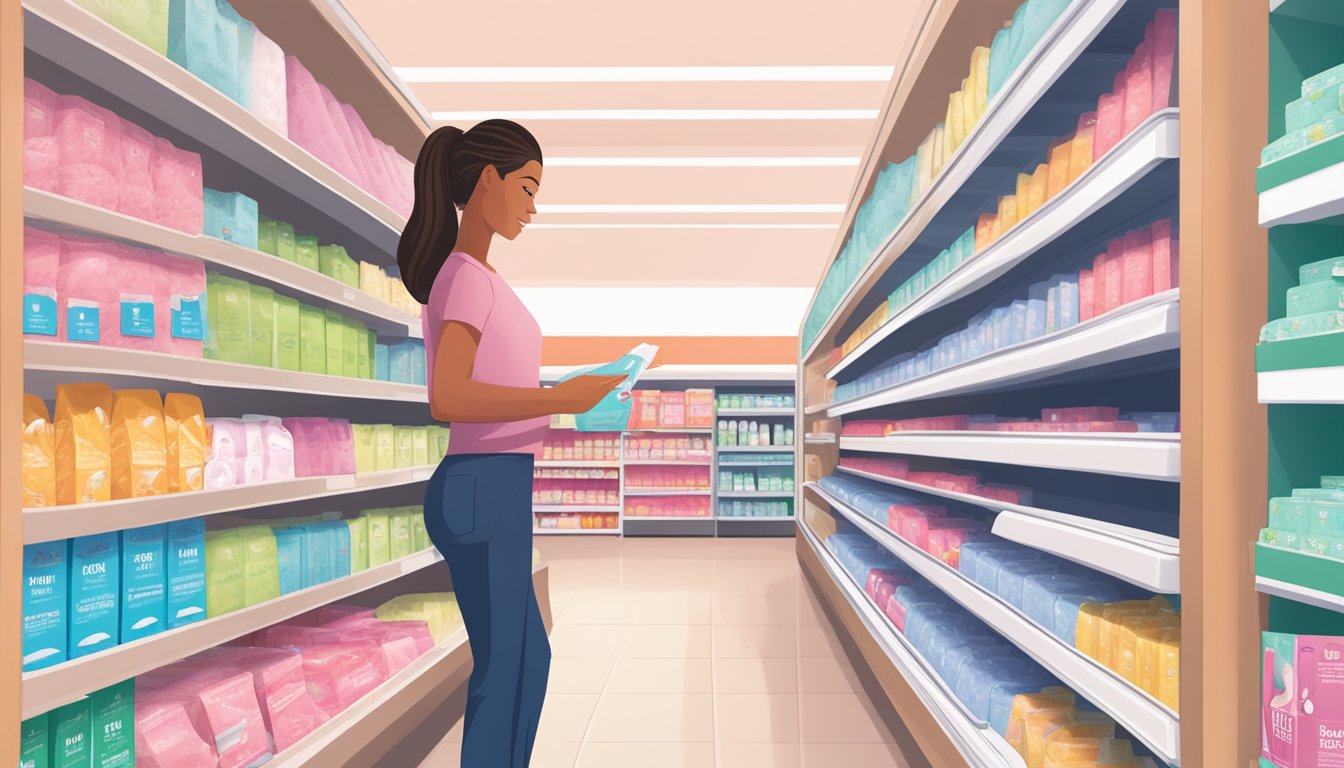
(95, 587)
(973, 551)
(186, 572)
(938, 638)
(417, 362)
(955, 656)
(1041, 591)
(144, 599)
(1018, 323)
(289, 546)
(975, 679)
(45, 607)
(1000, 62)
(399, 362)
(1068, 302)
(232, 217)
(381, 366)
(318, 570)
(612, 412)
(1002, 693)
(1012, 574)
(1037, 310)
(924, 619)
(241, 30)
(339, 542)
(194, 43)
(1052, 309)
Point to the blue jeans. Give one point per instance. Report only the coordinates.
(478, 512)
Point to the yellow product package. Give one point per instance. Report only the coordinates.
(184, 420)
(139, 443)
(39, 454)
(1055, 698)
(83, 450)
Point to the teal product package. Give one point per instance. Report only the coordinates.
(112, 712)
(232, 217)
(45, 605)
(71, 736)
(95, 587)
(612, 413)
(35, 742)
(144, 579)
(289, 545)
(186, 572)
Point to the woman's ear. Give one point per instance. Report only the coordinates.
(490, 176)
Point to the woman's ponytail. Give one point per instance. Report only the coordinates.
(431, 230)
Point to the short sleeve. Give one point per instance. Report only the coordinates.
(465, 295)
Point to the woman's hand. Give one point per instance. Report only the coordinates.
(581, 393)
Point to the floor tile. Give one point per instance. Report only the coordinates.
(821, 755)
(623, 717)
(827, 674)
(579, 675)
(841, 717)
(755, 641)
(566, 717)
(755, 675)
(744, 755)
(755, 609)
(661, 676)
(554, 754)
(756, 717)
(818, 641)
(600, 607)
(667, 642)
(648, 755)
(588, 641)
(674, 608)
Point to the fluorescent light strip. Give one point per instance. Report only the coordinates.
(691, 208)
(703, 162)
(657, 114)
(649, 311)
(839, 74)
(683, 226)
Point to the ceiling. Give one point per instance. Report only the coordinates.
(708, 144)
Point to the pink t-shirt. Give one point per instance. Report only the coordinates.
(509, 353)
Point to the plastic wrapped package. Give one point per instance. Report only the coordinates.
(267, 82)
(178, 190)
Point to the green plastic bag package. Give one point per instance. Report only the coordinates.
(224, 561)
(312, 339)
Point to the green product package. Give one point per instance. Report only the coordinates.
(261, 564)
(263, 326)
(228, 321)
(399, 526)
(335, 343)
(354, 334)
(330, 261)
(113, 712)
(1315, 297)
(71, 736)
(419, 534)
(364, 361)
(440, 448)
(266, 235)
(224, 559)
(287, 346)
(284, 241)
(145, 21)
(312, 339)
(306, 252)
(359, 544)
(405, 447)
(1322, 272)
(384, 446)
(35, 742)
(420, 446)
(366, 454)
(380, 536)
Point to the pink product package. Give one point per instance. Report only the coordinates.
(88, 134)
(342, 145)
(310, 124)
(1115, 274)
(336, 614)
(268, 83)
(138, 282)
(135, 192)
(865, 428)
(896, 612)
(1164, 263)
(1086, 295)
(339, 674)
(90, 271)
(222, 705)
(1011, 494)
(1110, 119)
(279, 452)
(164, 734)
(1139, 87)
(182, 281)
(41, 275)
(364, 146)
(1104, 426)
(960, 483)
(41, 150)
(342, 447)
(944, 541)
(1302, 701)
(1088, 413)
(1164, 57)
(906, 518)
(355, 145)
(312, 445)
(920, 529)
(878, 577)
(179, 196)
(1138, 249)
(287, 708)
(418, 631)
(39, 109)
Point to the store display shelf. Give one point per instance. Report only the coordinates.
(978, 744)
(1144, 717)
(672, 430)
(755, 494)
(826, 438)
(577, 531)
(674, 518)
(56, 523)
(123, 367)
(76, 40)
(666, 463)
(62, 214)
(755, 518)
(1304, 186)
(1140, 455)
(1138, 154)
(755, 448)
(727, 412)
(655, 492)
(1300, 576)
(748, 460)
(562, 508)
(1140, 557)
(1057, 50)
(1305, 370)
(579, 463)
(46, 689)
(1143, 328)
(1320, 11)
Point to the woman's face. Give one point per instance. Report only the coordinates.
(510, 204)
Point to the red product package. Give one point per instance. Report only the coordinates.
(923, 533)
(1138, 88)
(1138, 249)
(1164, 267)
(1110, 118)
(1115, 274)
(1086, 297)
(903, 517)
(1010, 494)
(1088, 413)
(1164, 57)
(1106, 426)
(956, 482)
(945, 543)
(1099, 285)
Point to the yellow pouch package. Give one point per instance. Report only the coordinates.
(184, 420)
(83, 443)
(1169, 671)
(39, 454)
(139, 443)
(1054, 698)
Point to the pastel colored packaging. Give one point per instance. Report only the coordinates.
(287, 708)
(1302, 700)
(290, 547)
(186, 572)
(35, 742)
(112, 714)
(39, 454)
(351, 342)
(262, 326)
(72, 736)
(229, 319)
(400, 529)
(261, 574)
(231, 216)
(359, 544)
(306, 252)
(312, 340)
(285, 314)
(380, 537)
(335, 341)
(224, 569)
(45, 605)
(144, 577)
(83, 443)
(139, 444)
(94, 587)
(185, 429)
(41, 266)
(318, 549)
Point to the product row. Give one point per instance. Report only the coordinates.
(779, 479)
(1142, 263)
(667, 506)
(579, 493)
(1111, 621)
(209, 39)
(1044, 721)
(1316, 116)
(575, 473)
(1315, 305)
(573, 521)
(728, 401)
(697, 448)
(734, 433)
(1076, 419)
(1311, 520)
(91, 593)
(963, 481)
(656, 409)
(648, 478)
(754, 508)
(571, 446)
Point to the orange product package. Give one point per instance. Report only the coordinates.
(184, 422)
(1080, 153)
(39, 454)
(984, 231)
(1060, 152)
(139, 444)
(83, 450)
(1036, 193)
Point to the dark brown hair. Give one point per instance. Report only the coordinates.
(450, 164)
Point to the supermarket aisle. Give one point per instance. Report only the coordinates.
(697, 652)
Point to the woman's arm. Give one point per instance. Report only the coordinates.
(456, 398)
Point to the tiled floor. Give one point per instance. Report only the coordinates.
(696, 653)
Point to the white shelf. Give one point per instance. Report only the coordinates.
(579, 464)
(46, 689)
(129, 366)
(746, 460)
(577, 531)
(1057, 50)
(655, 518)
(55, 523)
(1143, 328)
(672, 430)
(978, 744)
(764, 374)
(1301, 594)
(825, 438)
(65, 215)
(1143, 716)
(756, 518)
(666, 463)
(63, 32)
(755, 494)
(1142, 455)
(1157, 140)
(1322, 386)
(729, 412)
(1275, 4)
(1147, 559)
(394, 698)
(1315, 196)
(649, 492)
(755, 448)
(543, 509)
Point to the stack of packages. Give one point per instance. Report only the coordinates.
(403, 363)
(734, 432)
(779, 479)
(1040, 718)
(1315, 305)
(578, 491)
(667, 506)
(84, 152)
(653, 409)
(755, 508)
(591, 446)
(692, 448)
(1076, 419)
(380, 447)
(1142, 88)
(901, 185)
(573, 521)
(965, 481)
(1143, 263)
(1317, 116)
(1135, 634)
(1311, 520)
(641, 478)
(97, 730)
(728, 400)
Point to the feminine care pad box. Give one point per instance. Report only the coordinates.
(45, 606)
(35, 742)
(71, 736)
(1302, 700)
(112, 713)
(186, 572)
(144, 580)
(95, 589)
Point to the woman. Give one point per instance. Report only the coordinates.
(484, 365)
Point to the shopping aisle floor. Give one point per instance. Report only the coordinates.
(695, 653)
